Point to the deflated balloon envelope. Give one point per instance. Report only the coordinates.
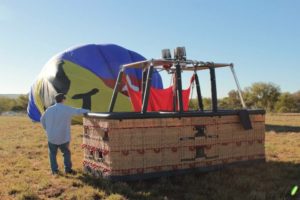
(87, 75)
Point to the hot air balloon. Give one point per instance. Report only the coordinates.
(87, 75)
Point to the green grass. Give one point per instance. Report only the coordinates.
(25, 173)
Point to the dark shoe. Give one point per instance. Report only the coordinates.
(55, 172)
(71, 172)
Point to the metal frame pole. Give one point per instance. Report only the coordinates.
(144, 78)
(200, 102)
(147, 89)
(115, 92)
(214, 97)
(174, 89)
(179, 87)
(238, 86)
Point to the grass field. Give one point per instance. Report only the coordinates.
(25, 174)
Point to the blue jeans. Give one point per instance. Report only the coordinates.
(64, 148)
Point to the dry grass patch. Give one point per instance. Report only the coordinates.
(25, 172)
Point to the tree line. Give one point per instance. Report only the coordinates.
(259, 95)
(267, 96)
(14, 104)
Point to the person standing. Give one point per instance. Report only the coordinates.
(57, 121)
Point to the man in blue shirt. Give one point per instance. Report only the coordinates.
(57, 121)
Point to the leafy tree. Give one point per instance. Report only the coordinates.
(6, 104)
(286, 103)
(262, 95)
(9, 104)
(296, 97)
(258, 95)
(231, 102)
(207, 103)
(22, 101)
(193, 105)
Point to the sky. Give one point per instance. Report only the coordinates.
(261, 37)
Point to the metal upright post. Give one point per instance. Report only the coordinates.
(214, 97)
(115, 92)
(200, 102)
(144, 78)
(174, 89)
(238, 86)
(179, 87)
(147, 89)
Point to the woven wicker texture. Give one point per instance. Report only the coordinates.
(139, 146)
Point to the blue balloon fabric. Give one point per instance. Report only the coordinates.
(87, 75)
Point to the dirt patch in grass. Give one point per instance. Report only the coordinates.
(52, 192)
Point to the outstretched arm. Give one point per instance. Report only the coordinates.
(78, 111)
(82, 111)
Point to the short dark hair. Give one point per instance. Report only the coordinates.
(60, 97)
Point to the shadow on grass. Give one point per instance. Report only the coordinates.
(268, 180)
(282, 129)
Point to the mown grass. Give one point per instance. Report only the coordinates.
(25, 174)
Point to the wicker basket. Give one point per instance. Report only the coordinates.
(144, 147)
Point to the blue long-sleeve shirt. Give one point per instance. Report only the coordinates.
(57, 121)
